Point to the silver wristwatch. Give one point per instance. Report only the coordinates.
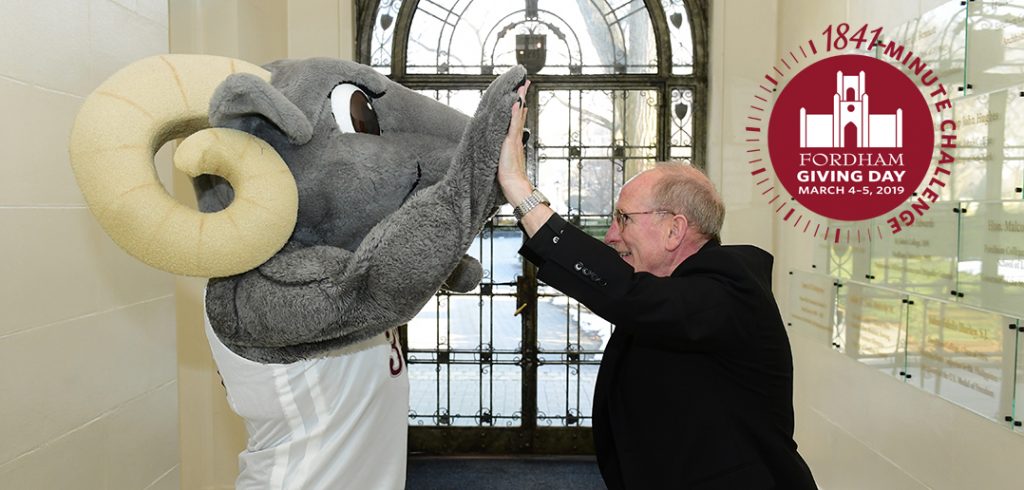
(529, 203)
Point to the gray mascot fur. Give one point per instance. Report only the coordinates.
(385, 217)
(392, 187)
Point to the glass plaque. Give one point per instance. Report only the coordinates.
(870, 326)
(921, 258)
(811, 311)
(991, 267)
(820, 256)
(1011, 172)
(995, 54)
(939, 39)
(962, 354)
(990, 146)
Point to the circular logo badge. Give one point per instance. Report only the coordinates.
(850, 137)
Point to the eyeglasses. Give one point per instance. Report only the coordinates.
(623, 218)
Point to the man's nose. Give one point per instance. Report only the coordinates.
(612, 235)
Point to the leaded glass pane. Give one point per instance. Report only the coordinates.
(383, 35)
(682, 125)
(682, 38)
(468, 394)
(565, 394)
(559, 37)
(588, 142)
(464, 101)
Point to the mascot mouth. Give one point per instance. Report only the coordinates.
(419, 175)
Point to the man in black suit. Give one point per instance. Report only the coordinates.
(695, 389)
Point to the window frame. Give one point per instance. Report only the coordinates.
(664, 81)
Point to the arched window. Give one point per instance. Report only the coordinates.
(654, 49)
(616, 86)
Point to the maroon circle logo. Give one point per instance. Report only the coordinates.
(850, 137)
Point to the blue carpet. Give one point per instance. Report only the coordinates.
(503, 473)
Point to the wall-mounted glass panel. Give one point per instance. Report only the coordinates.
(849, 259)
(990, 146)
(1018, 379)
(821, 256)
(962, 354)
(811, 309)
(1011, 176)
(995, 56)
(870, 326)
(939, 38)
(991, 268)
(560, 38)
(921, 258)
(383, 35)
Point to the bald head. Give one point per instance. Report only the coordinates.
(684, 189)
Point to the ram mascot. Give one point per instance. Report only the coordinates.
(333, 204)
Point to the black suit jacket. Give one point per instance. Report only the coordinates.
(695, 389)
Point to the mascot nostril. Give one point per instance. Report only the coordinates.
(319, 239)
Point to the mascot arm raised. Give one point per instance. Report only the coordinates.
(325, 290)
(333, 201)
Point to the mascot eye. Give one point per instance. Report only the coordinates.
(352, 110)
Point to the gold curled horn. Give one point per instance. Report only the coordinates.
(116, 135)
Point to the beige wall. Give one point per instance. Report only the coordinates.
(742, 43)
(87, 339)
(258, 31)
(856, 427)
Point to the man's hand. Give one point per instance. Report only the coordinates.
(512, 167)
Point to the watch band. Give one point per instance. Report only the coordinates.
(533, 200)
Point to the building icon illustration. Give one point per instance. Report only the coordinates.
(851, 124)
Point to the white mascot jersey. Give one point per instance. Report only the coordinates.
(334, 422)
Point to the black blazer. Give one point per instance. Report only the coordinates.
(695, 388)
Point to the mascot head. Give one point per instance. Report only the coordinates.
(313, 151)
(333, 202)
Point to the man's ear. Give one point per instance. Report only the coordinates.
(242, 95)
(677, 232)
